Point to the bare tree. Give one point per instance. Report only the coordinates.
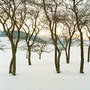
(13, 13)
(67, 35)
(80, 9)
(31, 30)
(52, 15)
(32, 27)
(40, 48)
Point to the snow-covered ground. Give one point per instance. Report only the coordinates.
(41, 75)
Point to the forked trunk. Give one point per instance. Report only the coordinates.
(67, 51)
(12, 68)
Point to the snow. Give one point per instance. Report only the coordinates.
(41, 75)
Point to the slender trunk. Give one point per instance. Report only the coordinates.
(14, 63)
(88, 53)
(69, 47)
(58, 62)
(11, 64)
(82, 54)
(12, 68)
(67, 52)
(67, 57)
(55, 45)
(56, 58)
(29, 55)
(39, 56)
(81, 36)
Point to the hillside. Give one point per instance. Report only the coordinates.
(22, 36)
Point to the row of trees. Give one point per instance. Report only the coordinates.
(31, 16)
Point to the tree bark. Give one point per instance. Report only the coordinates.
(11, 64)
(12, 67)
(29, 55)
(67, 51)
(67, 56)
(56, 58)
(14, 64)
(69, 48)
(88, 54)
(82, 54)
(58, 62)
(39, 56)
(68, 59)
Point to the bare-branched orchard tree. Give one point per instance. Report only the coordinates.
(69, 28)
(40, 48)
(32, 27)
(12, 16)
(80, 9)
(67, 36)
(52, 11)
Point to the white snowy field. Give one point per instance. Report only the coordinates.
(41, 75)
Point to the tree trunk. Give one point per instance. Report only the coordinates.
(12, 68)
(68, 59)
(69, 48)
(11, 64)
(14, 64)
(56, 58)
(82, 54)
(81, 36)
(29, 55)
(39, 56)
(88, 53)
(67, 51)
(58, 62)
(67, 56)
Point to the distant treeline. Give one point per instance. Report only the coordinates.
(22, 36)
